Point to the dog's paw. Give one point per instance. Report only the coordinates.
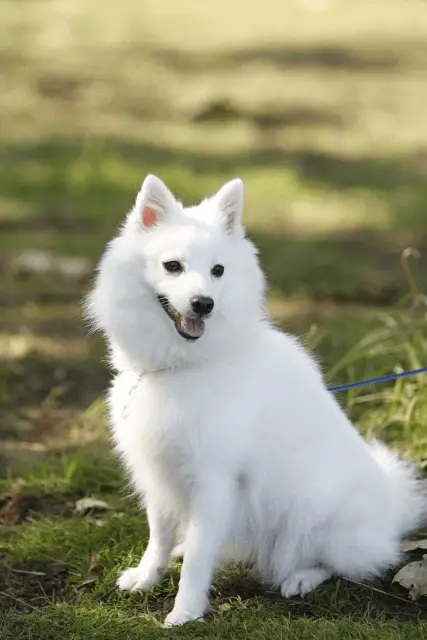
(178, 617)
(303, 581)
(138, 578)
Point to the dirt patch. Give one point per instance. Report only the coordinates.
(24, 588)
(15, 508)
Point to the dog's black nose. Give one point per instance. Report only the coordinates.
(202, 305)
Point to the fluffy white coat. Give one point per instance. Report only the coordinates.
(234, 443)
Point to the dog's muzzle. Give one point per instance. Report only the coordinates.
(189, 328)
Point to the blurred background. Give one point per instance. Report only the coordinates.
(319, 105)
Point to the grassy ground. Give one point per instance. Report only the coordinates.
(320, 107)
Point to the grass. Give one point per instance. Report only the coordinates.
(322, 113)
(47, 586)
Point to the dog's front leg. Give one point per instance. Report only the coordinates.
(155, 560)
(208, 528)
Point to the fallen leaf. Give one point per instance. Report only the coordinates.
(94, 571)
(413, 576)
(95, 564)
(86, 506)
(412, 545)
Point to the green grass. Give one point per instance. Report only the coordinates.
(80, 623)
(322, 113)
(59, 594)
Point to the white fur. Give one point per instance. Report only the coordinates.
(233, 441)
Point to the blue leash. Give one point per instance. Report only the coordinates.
(386, 378)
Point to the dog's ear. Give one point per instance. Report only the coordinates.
(229, 200)
(153, 201)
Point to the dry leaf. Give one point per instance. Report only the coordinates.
(412, 545)
(95, 564)
(413, 576)
(87, 506)
(94, 571)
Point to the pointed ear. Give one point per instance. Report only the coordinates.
(230, 204)
(153, 201)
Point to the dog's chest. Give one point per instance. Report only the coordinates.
(162, 419)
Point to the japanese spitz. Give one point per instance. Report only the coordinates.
(224, 423)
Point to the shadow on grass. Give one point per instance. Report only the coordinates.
(350, 58)
(40, 378)
(272, 117)
(84, 191)
(350, 267)
(53, 176)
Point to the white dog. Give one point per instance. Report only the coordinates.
(224, 422)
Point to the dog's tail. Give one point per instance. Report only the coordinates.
(408, 492)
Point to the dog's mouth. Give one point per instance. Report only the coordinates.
(189, 328)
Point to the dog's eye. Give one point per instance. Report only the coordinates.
(173, 266)
(217, 271)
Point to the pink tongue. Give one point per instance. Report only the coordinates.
(192, 326)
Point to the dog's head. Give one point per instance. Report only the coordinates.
(180, 275)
